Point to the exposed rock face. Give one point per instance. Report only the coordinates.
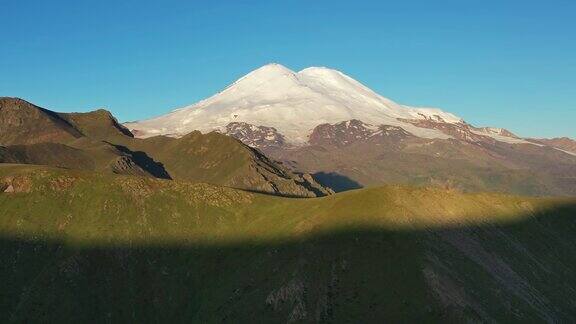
(15, 184)
(353, 131)
(497, 131)
(461, 131)
(265, 175)
(126, 165)
(255, 136)
(341, 134)
(352, 154)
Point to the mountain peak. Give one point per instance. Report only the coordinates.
(269, 77)
(292, 103)
(22, 122)
(272, 68)
(318, 69)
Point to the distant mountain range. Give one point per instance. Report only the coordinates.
(322, 122)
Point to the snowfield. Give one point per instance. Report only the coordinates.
(293, 103)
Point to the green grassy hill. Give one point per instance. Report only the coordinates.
(96, 141)
(24, 123)
(82, 246)
(219, 159)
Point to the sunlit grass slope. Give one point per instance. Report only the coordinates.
(117, 209)
(81, 246)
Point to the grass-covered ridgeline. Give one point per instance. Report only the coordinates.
(82, 246)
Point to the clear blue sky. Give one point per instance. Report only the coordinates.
(493, 62)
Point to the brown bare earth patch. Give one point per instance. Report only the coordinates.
(62, 183)
(15, 184)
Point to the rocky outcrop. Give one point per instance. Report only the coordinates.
(255, 136)
(267, 176)
(496, 131)
(15, 184)
(461, 131)
(354, 131)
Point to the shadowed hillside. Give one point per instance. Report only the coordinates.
(24, 123)
(88, 247)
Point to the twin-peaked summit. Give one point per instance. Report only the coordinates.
(294, 103)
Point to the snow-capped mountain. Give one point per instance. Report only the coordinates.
(293, 103)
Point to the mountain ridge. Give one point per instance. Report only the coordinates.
(96, 141)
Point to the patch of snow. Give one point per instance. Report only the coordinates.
(567, 152)
(502, 138)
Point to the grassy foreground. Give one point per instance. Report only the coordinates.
(82, 246)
